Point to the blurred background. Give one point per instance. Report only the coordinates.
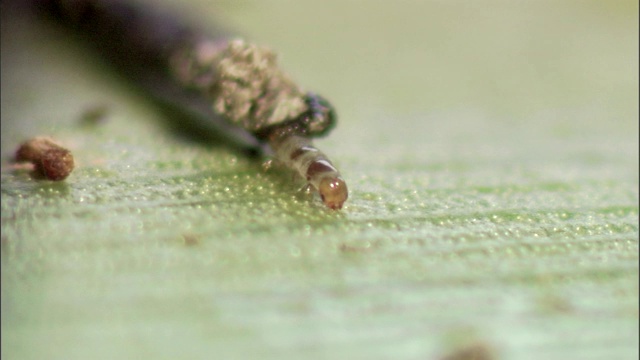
(491, 149)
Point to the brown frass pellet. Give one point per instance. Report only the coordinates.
(50, 159)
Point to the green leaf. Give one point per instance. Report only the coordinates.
(491, 151)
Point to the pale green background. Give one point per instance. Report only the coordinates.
(491, 149)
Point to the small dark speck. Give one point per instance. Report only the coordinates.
(190, 239)
(554, 303)
(352, 249)
(473, 351)
(94, 115)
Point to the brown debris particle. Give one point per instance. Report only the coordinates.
(344, 248)
(49, 158)
(190, 239)
(473, 351)
(94, 115)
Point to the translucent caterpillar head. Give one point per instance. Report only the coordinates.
(333, 192)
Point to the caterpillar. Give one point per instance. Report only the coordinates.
(215, 76)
